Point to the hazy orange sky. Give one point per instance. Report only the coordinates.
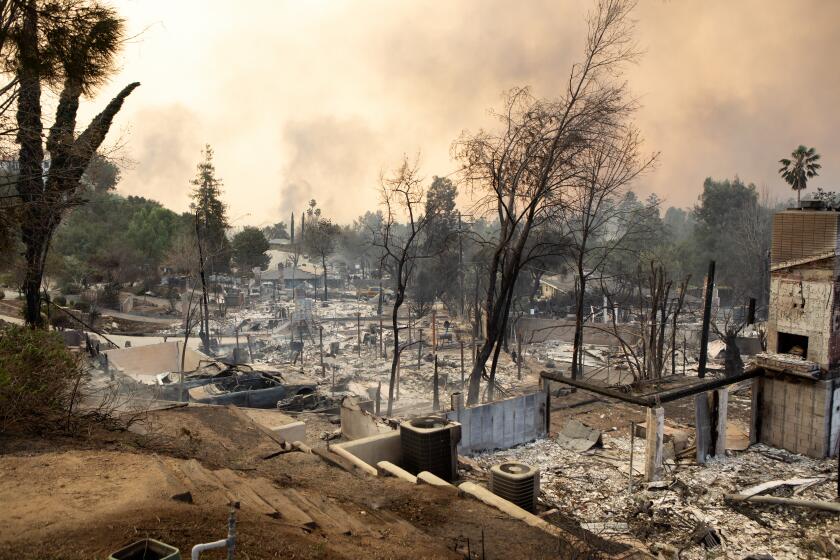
(312, 98)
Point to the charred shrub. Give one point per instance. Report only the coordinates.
(39, 380)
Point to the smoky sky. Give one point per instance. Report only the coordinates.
(314, 99)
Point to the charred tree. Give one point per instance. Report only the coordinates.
(74, 47)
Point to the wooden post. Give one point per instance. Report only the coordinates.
(321, 348)
(409, 326)
(707, 315)
(702, 426)
(333, 380)
(654, 433)
(456, 401)
(756, 412)
(359, 332)
(519, 359)
(419, 348)
(462, 365)
(721, 403)
(435, 394)
(380, 334)
(547, 391)
(378, 397)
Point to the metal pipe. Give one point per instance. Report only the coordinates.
(229, 542)
(199, 548)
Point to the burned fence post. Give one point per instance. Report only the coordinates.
(419, 348)
(755, 412)
(703, 426)
(546, 384)
(707, 315)
(654, 433)
(378, 397)
(721, 402)
(321, 348)
(462, 365)
(436, 393)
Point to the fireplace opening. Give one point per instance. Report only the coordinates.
(792, 344)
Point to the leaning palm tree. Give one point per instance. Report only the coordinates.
(801, 167)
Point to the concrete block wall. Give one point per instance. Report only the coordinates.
(501, 424)
(798, 414)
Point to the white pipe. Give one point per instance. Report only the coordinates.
(199, 548)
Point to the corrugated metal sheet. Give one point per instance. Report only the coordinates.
(800, 234)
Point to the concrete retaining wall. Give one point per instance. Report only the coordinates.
(501, 424)
(373, 449)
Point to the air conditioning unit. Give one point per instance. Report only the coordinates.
(429, 443)
(517, 483)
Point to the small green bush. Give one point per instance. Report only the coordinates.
(83, 306)
(60, 300)
(39, 379)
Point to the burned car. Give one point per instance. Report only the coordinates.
(254, 389)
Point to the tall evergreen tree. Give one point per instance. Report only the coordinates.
(211, 213)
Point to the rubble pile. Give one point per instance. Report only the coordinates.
(686, 514)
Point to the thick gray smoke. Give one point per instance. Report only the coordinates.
(329, 94)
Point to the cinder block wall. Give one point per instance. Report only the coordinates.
(796, 414)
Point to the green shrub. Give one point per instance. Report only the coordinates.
(60, 300)
(39, 379)
(83, 306)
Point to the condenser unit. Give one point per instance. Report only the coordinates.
(429, 443)
(517, 483)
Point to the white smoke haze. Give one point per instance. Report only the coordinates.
(312, 99)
